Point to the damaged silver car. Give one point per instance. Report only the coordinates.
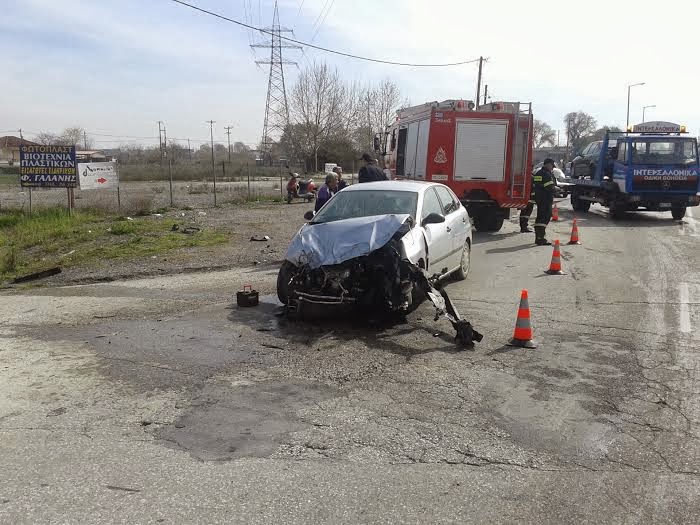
(380, 248)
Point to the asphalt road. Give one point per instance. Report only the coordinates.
(159, 401)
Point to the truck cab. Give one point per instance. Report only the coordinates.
(653, 167)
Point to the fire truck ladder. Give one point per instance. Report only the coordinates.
(522, 111)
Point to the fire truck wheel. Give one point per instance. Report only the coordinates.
(678, 212)
(486, 222)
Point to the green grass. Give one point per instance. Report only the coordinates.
(86, 238)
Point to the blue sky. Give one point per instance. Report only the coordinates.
(115, 67)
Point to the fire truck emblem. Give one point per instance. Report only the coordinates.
(440, 157)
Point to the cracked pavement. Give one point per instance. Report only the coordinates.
(159, 401)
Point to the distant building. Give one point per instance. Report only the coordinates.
(9, 149)
(91, 156)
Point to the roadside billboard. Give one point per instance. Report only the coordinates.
(98, 175)
(48, 166)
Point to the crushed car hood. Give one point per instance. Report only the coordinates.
(331, 243)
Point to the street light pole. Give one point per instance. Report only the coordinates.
(644, 109)
(629, 88)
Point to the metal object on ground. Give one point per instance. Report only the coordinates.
(247, 297)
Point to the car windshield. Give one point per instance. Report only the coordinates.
(660, 152)
(365, 203)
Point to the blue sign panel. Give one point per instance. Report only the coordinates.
(48, 166)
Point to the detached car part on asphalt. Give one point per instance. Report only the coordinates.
(351, 257)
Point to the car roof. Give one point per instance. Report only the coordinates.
(415, 186)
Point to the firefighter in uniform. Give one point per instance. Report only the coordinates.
(544, 187)
(527, 211)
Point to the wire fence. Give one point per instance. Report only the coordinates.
(148, 188)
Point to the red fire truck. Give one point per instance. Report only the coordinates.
(483, 154)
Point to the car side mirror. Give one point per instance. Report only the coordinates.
(309, 215)
(433, 218)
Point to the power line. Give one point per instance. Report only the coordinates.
(323, 20)
(325, 49)
(320, 14)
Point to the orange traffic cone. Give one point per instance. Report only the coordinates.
(555, 213)
(522, 335)
(555, 265)
(574, 234)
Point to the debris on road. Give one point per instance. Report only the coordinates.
(260, 238)
(247, 297)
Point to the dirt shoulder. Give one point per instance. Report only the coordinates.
(238, 223)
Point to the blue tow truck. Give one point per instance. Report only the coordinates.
(653, 166)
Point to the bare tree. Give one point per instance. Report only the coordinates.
(578, 124)
(543, 134)
(318, 105)
(377, 108)
(46, 138)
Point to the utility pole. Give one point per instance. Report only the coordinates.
(189, 150)
(213, 168)
(85, 139)
(228, 136)
(486, 94)
(478, 82)
(163, 144)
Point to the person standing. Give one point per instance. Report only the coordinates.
(326, 191)
(341, 183)
(370, 172)
(545, 186)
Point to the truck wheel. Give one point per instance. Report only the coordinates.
(283, 278)
(487, 222)
(678, 212)
(579, 204)
(617, 210)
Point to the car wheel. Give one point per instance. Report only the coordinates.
(283, 278)
(465, 263)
